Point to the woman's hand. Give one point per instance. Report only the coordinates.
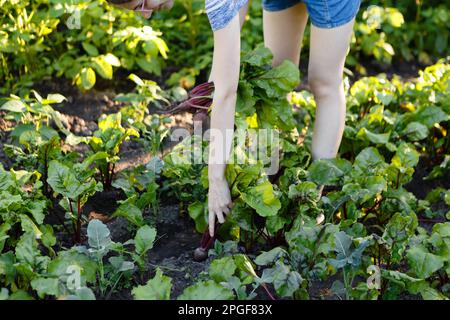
(219, 202)
(147, 7)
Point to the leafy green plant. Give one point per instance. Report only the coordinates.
(285, 279)
(99, 245)
(428, 259)
(372, 41)
(229, 277)
(348, 258)
(141, 187)
(208, 290)
(23, 209)
(36, 143)
(107, 140)
(187, 25)
(399, 31)
(386, 113)
(37, 111)
(79, 40)
(156, 130)
(111, 263)
(75, 183)
(157, 288)
(181, 170)
(136, 103)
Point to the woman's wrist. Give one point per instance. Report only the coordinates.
(216, 172)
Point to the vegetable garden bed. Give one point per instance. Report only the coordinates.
(175, 238)
(97, 202)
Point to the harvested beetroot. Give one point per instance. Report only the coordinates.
(199, 99)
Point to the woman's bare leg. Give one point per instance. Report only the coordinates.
(328, 50)
(283, 32)
(242, 14)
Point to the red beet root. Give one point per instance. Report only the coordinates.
(200, 254)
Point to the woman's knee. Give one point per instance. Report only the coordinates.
(324, 83)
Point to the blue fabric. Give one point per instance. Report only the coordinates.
(323, 13)
(221, 12)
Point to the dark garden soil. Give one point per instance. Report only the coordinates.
(173, 250)
(177, 239)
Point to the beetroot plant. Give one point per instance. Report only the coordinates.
(75, 183)
(108, 139)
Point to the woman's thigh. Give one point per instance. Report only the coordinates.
(285, 22)
(283, 31)
(328, 50)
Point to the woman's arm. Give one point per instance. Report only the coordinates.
(225, 74)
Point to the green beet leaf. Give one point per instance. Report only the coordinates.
(206, 290)
(68, 262)
(130, 212)
(145, 237)
(99, 236)
(284, 280)
(429, 115)
(328, 171)
(103, 67)
(376, 138)
(368, 159)
(82, 293)
(422, 262)
(262, 199)
(271, 256)
(157, 288)
(222, 269)
(346, 253)
(415, 131)
(198, 211)
(45, 286)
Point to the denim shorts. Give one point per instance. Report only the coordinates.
(323, 13)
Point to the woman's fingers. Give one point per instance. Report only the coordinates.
(226, 210)
(212, 222)
(220, 216)
(218, 201)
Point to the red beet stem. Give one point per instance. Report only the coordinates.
(267, 291)
(199, 97)
(207, 87)
(207, 240)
